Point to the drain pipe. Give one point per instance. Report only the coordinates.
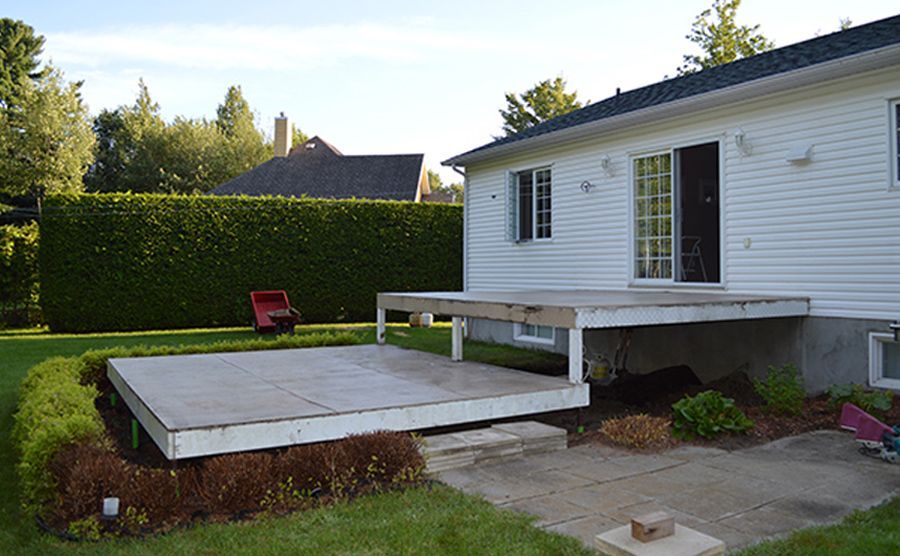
(465, 269)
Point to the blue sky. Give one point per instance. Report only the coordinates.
(387, 76)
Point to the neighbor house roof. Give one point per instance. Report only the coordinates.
(318, 169)
(856, 40)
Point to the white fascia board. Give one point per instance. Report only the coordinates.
(825, 71)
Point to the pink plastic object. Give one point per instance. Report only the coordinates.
(850, 415)
(870, 430)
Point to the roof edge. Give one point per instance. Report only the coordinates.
(832, 69)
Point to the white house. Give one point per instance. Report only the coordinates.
(765, 182)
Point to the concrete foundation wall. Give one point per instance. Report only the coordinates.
(827, 350)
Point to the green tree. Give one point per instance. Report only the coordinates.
(436, 184)
(546, 100)
(46, 141)
(297, 136)
(19, 62)
(721, 39)
(242, 145)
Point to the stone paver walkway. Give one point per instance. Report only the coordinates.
(740, 497)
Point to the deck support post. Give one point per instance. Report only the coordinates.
(576, 357)
(379, 328)
(456, 335)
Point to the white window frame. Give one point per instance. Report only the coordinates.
(520, 335)
(876, 361)
(633, 281)
(893, 164)
(534, 210)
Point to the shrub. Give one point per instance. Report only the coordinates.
(638, 431)
(870, 401)
(708, 414)
(19, 282)
(57, 402)
(234, 483)
(782, 390)
(130, 262)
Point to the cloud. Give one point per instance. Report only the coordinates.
(256, 47)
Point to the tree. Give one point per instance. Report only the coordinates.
(436, 185)
(242, 145)
(546, 100)
(721, 39)
(297, 136)
(46, 141)
(19, 62)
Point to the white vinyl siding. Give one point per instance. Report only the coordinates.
(894, 119)
(825, 229)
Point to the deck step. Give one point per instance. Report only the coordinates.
(459, 449)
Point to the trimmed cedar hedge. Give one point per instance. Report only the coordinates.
(132, 262)
(19, 303)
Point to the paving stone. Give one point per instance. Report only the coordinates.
(813, 506)
(691, 474)
(491, 443)
(732, 538)
(550, 509)
(652, 485)
(602, 471)
(764, 522)
(606, 497)
(501, 492)
(465, 477)
(521, 467)
(558, 480)
(584, 528)
(447, 451)
(706, 503)
(646, 462)
(536, 437)
(694, 453)
(685, 542)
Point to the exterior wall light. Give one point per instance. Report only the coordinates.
(606, 165)
(740, 141)
(895, 328)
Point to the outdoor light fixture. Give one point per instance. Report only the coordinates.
(740, 141)
(895, 328)
(606, 165)
(586, 186)
(799, 153)
(110, 508)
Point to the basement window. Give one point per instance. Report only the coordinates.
(529, 210)
(534, 333)
(884, 361)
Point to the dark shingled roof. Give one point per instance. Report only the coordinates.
(855, 40)
(318, 169)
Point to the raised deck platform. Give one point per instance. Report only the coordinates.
(197, 405)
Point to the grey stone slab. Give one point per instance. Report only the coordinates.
(685, 542)
(491, 443)
(707, 504)
(646, 462)
(605, 498)
(603, 471)
(550, 509)
(503, 491)
(814, 507)
(690, 452)
(765, 522)
(557, 480)
(733, 539)
(536, 437)
(584, 528)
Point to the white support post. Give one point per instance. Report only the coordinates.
(456, 335)
(576, 357)
(379, 329)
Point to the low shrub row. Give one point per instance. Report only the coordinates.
(136, 262)
(225, 487)
(57, 403)
(19, 281)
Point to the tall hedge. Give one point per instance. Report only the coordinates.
(19, 302)
(131, 262)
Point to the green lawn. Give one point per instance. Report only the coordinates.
(876, 531)
(419, 521)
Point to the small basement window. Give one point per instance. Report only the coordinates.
(529, 208)
(535, 333)
(884, 361)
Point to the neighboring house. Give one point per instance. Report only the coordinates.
(774, 175)
(317, 169)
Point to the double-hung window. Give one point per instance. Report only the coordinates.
(895, 142)
(529, 199)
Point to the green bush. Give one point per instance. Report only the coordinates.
(782, 390)
(131, 262)
(870, 401)
(708, 414)
(19, 289)
(57, 401)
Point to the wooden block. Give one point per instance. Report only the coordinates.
(652, 526)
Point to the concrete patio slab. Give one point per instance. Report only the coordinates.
(196, 405)
(740, 497)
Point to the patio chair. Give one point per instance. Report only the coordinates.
(272, 312)
(691, 258)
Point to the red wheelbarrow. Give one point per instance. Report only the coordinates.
(272, 312)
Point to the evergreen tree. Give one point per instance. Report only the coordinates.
(19, 62)
(546, 100)
(721, 39)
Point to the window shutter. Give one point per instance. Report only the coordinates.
(512, 202)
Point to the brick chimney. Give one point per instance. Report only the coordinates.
(283, 135)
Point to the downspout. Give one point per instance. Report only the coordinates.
(465, 177)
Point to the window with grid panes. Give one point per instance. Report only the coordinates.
(652, 176)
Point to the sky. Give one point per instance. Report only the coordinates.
(381, 77)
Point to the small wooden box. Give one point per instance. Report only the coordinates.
(652, 526)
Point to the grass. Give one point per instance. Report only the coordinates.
(418, 521)
(875, 531)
